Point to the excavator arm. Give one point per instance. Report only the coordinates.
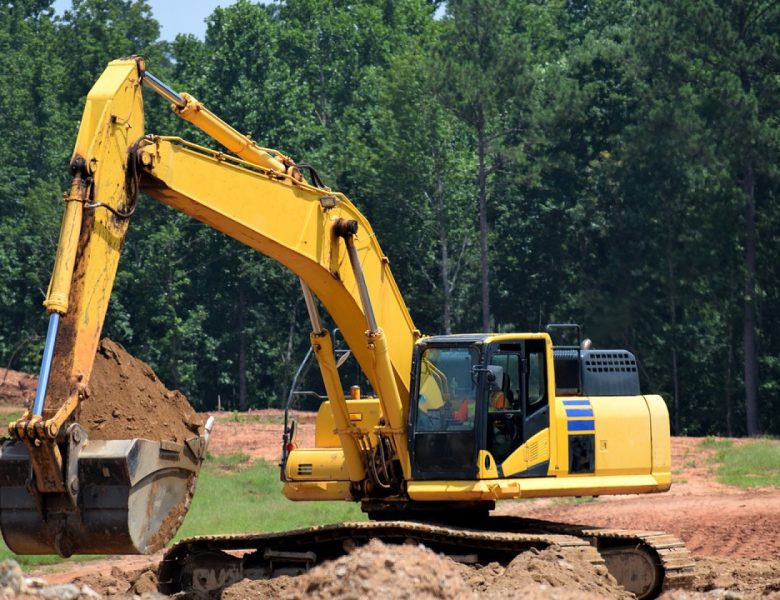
(256, 196)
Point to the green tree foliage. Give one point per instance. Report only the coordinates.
(33, 154)
(425, 219)
(484, 56)
(609, 162)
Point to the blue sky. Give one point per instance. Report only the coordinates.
(174, 16)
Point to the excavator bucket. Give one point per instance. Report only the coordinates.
(122, 496)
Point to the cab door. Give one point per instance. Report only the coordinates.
(516, 403)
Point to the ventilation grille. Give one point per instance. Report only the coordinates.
(538, 451)
(305, 469)
(533, 453)
(610, 362)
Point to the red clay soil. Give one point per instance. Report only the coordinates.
(258, 434)
(127, 400)
(17, 389)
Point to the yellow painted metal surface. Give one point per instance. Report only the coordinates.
(535, 451)
(363, 413)
(532, 487)
(57, 296)
(316, 464)
(317, 490)
(112, 121)
(662, 445)
(623, 441)
(292, 222)
(345, 431)
(236, 142)
(488, 469)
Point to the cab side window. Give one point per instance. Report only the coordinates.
(536, 381)
(506, 394)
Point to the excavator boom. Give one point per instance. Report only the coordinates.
(259, 198)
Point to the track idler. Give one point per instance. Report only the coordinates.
(121, 496)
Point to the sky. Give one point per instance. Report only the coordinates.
(174, 16)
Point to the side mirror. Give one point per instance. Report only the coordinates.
(495, 377)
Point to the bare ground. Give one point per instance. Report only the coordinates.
(734, 534)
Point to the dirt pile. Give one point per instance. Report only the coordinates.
(16, 388)
(127, 400)
(405, 572)
(739, 577)
(553, 570)
(121, 584)
(13, 584)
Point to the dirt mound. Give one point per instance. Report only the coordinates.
(375, 570)
(121, 584)
(747, 578)
(551, 569)
(16, 388)
(400, 572)
(14, 584)
(127, 400)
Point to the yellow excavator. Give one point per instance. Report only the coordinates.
(457, 421)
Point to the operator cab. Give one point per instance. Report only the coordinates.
(476, 399)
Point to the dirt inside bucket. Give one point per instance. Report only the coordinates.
(127, 400)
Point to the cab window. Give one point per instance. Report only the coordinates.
(506, 393)
(536, 379)
(447, 397)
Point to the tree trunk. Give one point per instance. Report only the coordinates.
(445, 281)
(243, 401)
(483, 226)
(673, 322)
(727, 376)
(749, 319)
(438, 201)
(287, 370)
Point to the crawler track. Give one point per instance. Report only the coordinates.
(644, 562)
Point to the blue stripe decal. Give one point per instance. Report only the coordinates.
(579, 412)
(576, 402)
(582, 425)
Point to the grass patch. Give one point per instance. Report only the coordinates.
(239, 417)
(711, 443)
(13, 415)
(755, 464)
(38, 560)
(228, 463)
(5, 419)
(250, 499)
(565, 500)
